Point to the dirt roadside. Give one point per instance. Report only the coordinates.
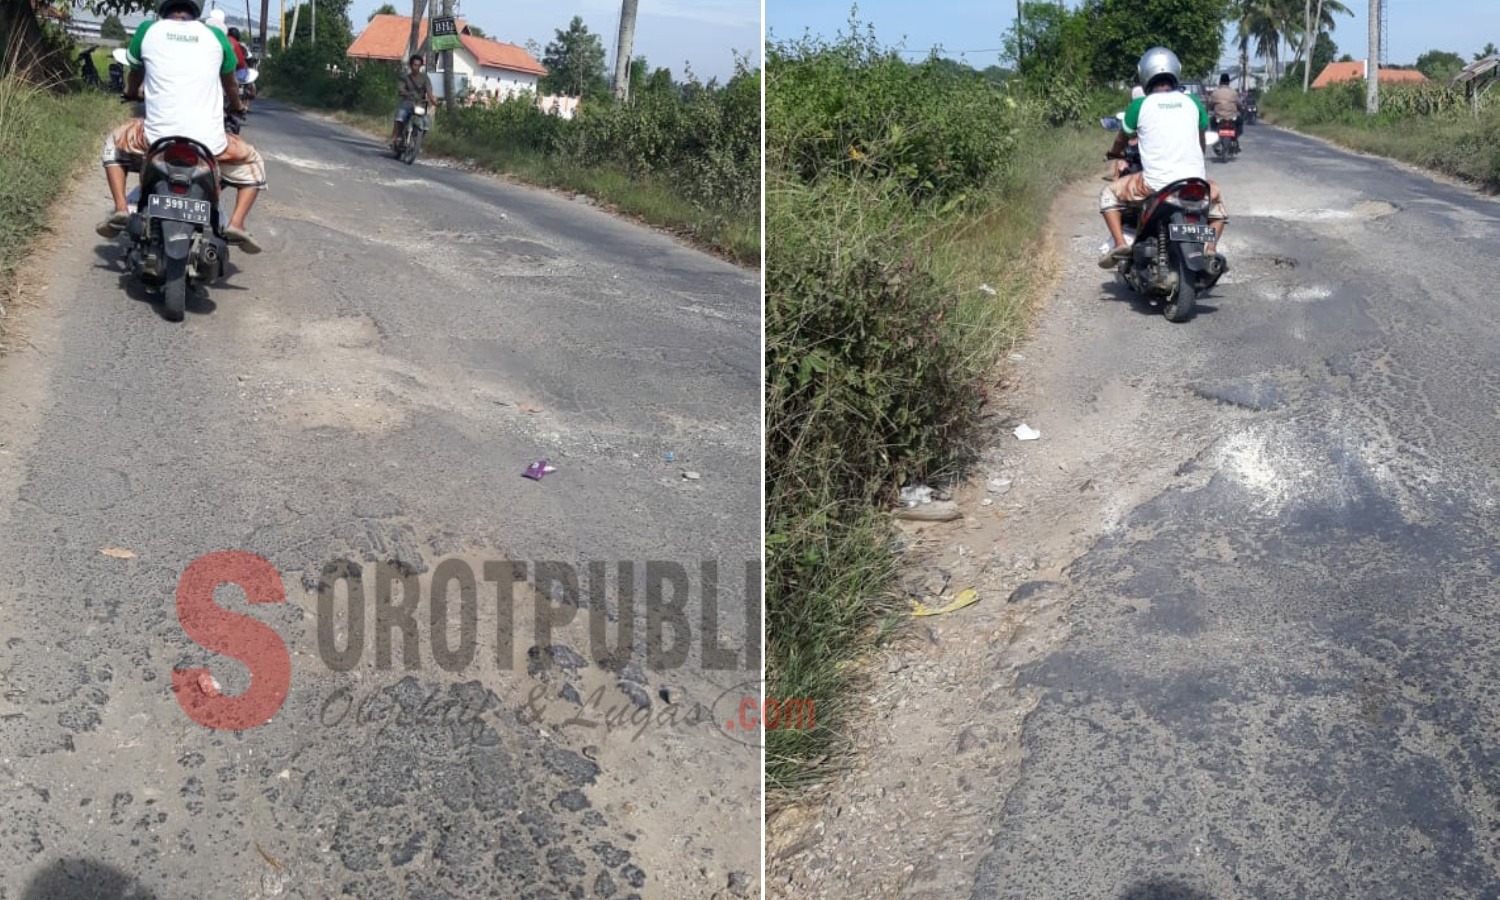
(939, 744)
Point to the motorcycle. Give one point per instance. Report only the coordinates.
(247, 85)
(1249, 109)
(1228, 145)
(176, 230)
(409, 144)
(1167, 263)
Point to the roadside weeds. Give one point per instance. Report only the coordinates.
(45, 139)
(993, 259)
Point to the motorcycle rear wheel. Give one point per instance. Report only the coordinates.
(174, 290)
(1180, 307)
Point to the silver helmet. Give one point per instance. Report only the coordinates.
(1157, 63)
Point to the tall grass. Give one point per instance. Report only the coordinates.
(894, 192)
(44, 136)
(1432, 126)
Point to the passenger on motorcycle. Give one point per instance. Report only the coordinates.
(187, 70)
(1170, 126)
(1126, 145)
(242, 60)
(1225, 102)
(415, 87)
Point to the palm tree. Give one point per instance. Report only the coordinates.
(1265, 22)
(1322, 14)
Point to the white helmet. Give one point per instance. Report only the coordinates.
(216, 19)
(1158, 63)
(1137, 92)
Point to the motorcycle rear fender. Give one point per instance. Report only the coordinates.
(177, 239)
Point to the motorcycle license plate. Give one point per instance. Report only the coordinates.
(1198, 234)
(1226, 133)
(180, 209)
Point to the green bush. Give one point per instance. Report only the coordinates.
(302, 74)
(515, 126)
(864, 378)
(705, 141)
(854, 108)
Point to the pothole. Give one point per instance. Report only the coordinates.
(1374, 209)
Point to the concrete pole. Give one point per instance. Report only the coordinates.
(1372, 65)
(265, 13)
(448, 90)
(624, 48)
(418, 13)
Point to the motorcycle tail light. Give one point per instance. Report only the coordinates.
(181, 155)
(1193, 192)
(178, 188)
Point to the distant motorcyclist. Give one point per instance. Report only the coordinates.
(415, 86)
(1170, 125)
(187, 70)
(1225, 103)
(242, 64)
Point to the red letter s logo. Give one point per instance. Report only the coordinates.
(231, 634)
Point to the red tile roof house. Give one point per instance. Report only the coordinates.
(482, 65)
(1355, 71)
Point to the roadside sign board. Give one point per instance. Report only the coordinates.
(444, 33)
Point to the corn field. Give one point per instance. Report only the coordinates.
(1411, 100)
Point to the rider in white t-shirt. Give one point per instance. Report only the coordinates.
(1170, 126)
(188, 77)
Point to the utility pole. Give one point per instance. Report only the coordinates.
(448, 97)
(1020, 42)
(265, 13)
(624, 48)
(418, 13)
(315, 25)
(1372, 65)
(1314, 19)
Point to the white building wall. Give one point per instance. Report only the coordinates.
(500, 83)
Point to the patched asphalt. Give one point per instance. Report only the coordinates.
(1279, 680)
(372, 387)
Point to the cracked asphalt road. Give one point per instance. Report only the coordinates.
(1279, 679)
(356, 392)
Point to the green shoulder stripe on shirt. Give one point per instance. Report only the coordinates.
(1202, 112)
(1133, 115)
(133, 54)
(231, 62)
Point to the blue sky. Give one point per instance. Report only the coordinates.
(667, 32)
(1461, 26)
(705, 33)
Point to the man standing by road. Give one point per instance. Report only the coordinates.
(1170, 125)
